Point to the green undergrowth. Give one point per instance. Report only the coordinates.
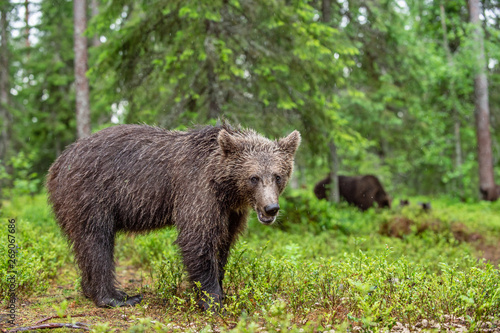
(367, 290)
(40, 247)
(321, 266)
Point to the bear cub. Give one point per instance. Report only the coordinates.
(137, 178)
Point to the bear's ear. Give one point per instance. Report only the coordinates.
(227, 142)
(290, 143)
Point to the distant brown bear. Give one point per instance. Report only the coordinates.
(426, 206)
(490, 194)
(361, 191)
(135, 178)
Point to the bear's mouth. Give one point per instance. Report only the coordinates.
(265, 219)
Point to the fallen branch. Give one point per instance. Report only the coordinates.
(56, 316)
(80, 326)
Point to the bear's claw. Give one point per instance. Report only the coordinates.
(115, 303)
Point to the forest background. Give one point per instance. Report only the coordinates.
(386, 87)
(391, 83)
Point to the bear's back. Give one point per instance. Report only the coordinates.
(130, 174)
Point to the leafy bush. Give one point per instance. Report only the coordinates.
(323, 266)
(22, 179)
(41, 249)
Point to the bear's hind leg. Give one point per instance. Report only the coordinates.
(94, 254)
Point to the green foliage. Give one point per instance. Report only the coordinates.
(43, 101)
(61, 309)
(101, 328)
(23, 180)
(373, 76)
(41, 249)
(302, 209)
(251, 68)
(334, 265)
(4, 177)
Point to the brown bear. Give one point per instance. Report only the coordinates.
(426, 206)
(404, 202)
(490, 194)
(361, 191)
(136, 178)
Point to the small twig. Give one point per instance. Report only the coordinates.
(81, 326)
(56, 316)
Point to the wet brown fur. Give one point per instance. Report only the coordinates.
(136, 178)
(361, 191)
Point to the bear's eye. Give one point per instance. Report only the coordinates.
(254, 179)
(278, 179)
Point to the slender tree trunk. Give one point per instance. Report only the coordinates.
(334, 167)
(27, 18)
(5, 116)
(453, 97)
(94, 7)
(482, 112)
(82, 83)
(214, 94)
(326, 9)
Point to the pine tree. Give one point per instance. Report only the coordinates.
(482, 111)
(81, 63)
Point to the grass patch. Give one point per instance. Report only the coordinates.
(321, 267)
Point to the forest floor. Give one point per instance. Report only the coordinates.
(390, 271)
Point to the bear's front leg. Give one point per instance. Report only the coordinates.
(222, 257)
(202, 264)
(237, 222)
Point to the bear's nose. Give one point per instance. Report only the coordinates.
(272, 209)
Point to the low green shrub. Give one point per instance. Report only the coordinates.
(40, 247)
(322, 266)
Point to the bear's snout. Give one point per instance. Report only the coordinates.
(272, 209)
(268, 214)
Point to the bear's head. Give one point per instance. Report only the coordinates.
(260, 168)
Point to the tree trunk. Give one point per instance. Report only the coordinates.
(334, 167)
(454, 108)
(326, 9)
(94, 7)
(5, 117)
(81, 81)
(214, 94)
(482, 112)
(26, 19)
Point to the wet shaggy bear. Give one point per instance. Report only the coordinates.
(361, 191)
(135, 178)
